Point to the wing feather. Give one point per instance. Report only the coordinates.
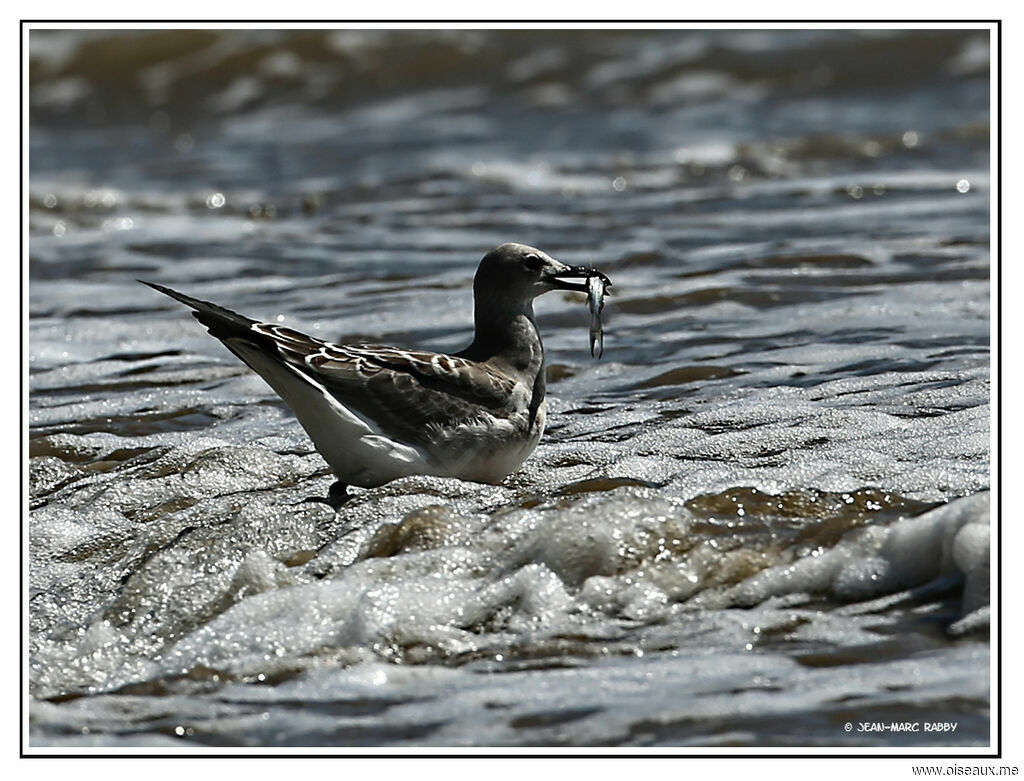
(408, 394)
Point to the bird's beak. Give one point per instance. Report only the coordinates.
(565, 277)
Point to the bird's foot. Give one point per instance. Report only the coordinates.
(337, 495)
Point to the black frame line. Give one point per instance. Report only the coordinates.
(481, 752)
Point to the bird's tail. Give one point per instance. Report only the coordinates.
(221, 322)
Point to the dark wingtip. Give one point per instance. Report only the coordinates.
(160, 288)
(221, 322)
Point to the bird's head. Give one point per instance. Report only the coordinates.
(517, 271)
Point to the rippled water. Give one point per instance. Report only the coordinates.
(762, 515)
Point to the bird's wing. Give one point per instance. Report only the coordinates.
(405, 393)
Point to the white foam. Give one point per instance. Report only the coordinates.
(882, 559)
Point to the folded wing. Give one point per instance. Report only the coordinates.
(408, 394)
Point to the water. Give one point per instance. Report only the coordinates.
(763, 514)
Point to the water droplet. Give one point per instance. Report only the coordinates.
(855, 191)
(618, 184)
(911, 139)
(59, 228)
(963, 186)
(119, 224)
(49, 200)
(215, 200)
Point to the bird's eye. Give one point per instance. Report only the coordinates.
(533, 262)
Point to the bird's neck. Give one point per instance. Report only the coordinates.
(508, 340)
(508, 336)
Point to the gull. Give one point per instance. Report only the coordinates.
(377, 413)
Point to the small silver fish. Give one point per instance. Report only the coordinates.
(595, 299)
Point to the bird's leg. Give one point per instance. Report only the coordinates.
(337, 495)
